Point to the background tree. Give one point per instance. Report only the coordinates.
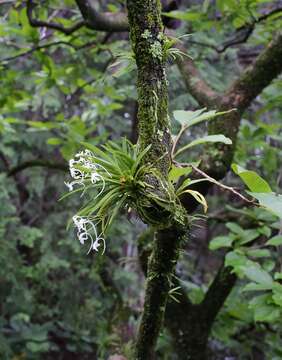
(67, 74)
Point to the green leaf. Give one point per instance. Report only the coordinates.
(189, 118)
(35, 347)
(270, 201)
(209, 138)
(54, 141)
(256, 287)
(176, 172)
(212, 138)
(278, 276)
(248, 236)
(257, 274)
(237, 260)
(186, 16)
(235, 228)
(275, 241)
(266, 313)
(254, 182)
(277, 294)
(263, 308)
(221, 241)
(43, 125)
(258, 253)
(265, 230)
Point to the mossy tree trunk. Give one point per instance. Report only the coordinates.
(148, 42)
(190, 324)
(147, 37)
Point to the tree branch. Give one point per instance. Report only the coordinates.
(244, 90)
(239, 37)
(216, 159)
(216, 295)
(222, 186)
(240, 94)
(42, 47)
(37, 163)
(39, 23)
(182, 317)
(196, 86)
(113, 22)
(243, 33)
(251, 83)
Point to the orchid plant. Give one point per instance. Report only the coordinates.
(112, 177)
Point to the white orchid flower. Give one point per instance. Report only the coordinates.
(83, 224)
(84, 159)
(72, 183)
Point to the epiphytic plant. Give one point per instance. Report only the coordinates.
(114, 177)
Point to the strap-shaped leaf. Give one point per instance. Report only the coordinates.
(209, 138)
(254, 182)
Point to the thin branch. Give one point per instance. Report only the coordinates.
(225, 187)
(78, 90)
(240, 95)
(251, 83)
(113, 22)
(46, 46)
(37, 163)
(203, 44)
(196, 86)
(39, 23)
(241, 35)
(92, 19)
(37, 48)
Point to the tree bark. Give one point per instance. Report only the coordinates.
(148, 39)
(188, 330)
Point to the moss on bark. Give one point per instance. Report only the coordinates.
(161, 265)
(161, 207)
(146, 31)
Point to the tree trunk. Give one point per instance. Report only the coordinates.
(166, 214)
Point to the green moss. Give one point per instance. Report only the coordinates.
(159, 205)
